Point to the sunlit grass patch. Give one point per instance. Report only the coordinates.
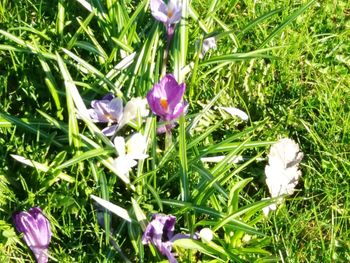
(282, 66)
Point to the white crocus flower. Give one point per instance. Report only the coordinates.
(282, 172)
(128, 152)
(134, 107)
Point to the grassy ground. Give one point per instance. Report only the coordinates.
(302, 92)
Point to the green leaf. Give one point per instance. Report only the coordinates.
(140, 216)
(72, 119)
(84, 156)
(119, 211)
(188, 243)
(260, 53)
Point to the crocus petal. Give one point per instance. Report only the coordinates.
(119, 144)
(101, 105)
(153, 98)
(43, 226)
(109, 109)
(123, 165)
(136, 146)
(159, 10)
(41, 254)
(176, 9)
(115, 109)
(179, 109)
(132, 108)
(174, 93)
(27, 225)
(182, 236)
(97, 116)
(110, 130)
(166, 252)
(267, 209)
(109, 96)
(285, 152)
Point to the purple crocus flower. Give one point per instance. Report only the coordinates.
(160, 232)
(169, 14)
(166, 99)
(36, 231)
(108, 110)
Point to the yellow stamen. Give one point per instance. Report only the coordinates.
(170, 13)
(109, 116)
(164, 103)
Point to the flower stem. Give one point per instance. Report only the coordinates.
(168, 139)
(170, 33)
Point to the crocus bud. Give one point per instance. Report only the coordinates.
(206, 235)
(36, 231)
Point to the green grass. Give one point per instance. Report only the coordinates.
(285, 65)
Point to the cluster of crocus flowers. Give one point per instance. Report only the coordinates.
(166, 100)
(110, 110)
(169, 14)
(282, 172)
(128, 152)
(36, 231)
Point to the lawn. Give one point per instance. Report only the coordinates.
(284, 63)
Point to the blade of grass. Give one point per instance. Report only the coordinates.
(285, 23)
(27, 127)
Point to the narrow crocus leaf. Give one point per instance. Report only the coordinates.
(235, 112)
(119, 211)
(41, 167)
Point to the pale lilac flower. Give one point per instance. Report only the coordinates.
(160, 232)
(36, 231)
(166, 98)
(110, 110)
(208, 43)
(107, 110)
(169, 14)
(282, 172)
